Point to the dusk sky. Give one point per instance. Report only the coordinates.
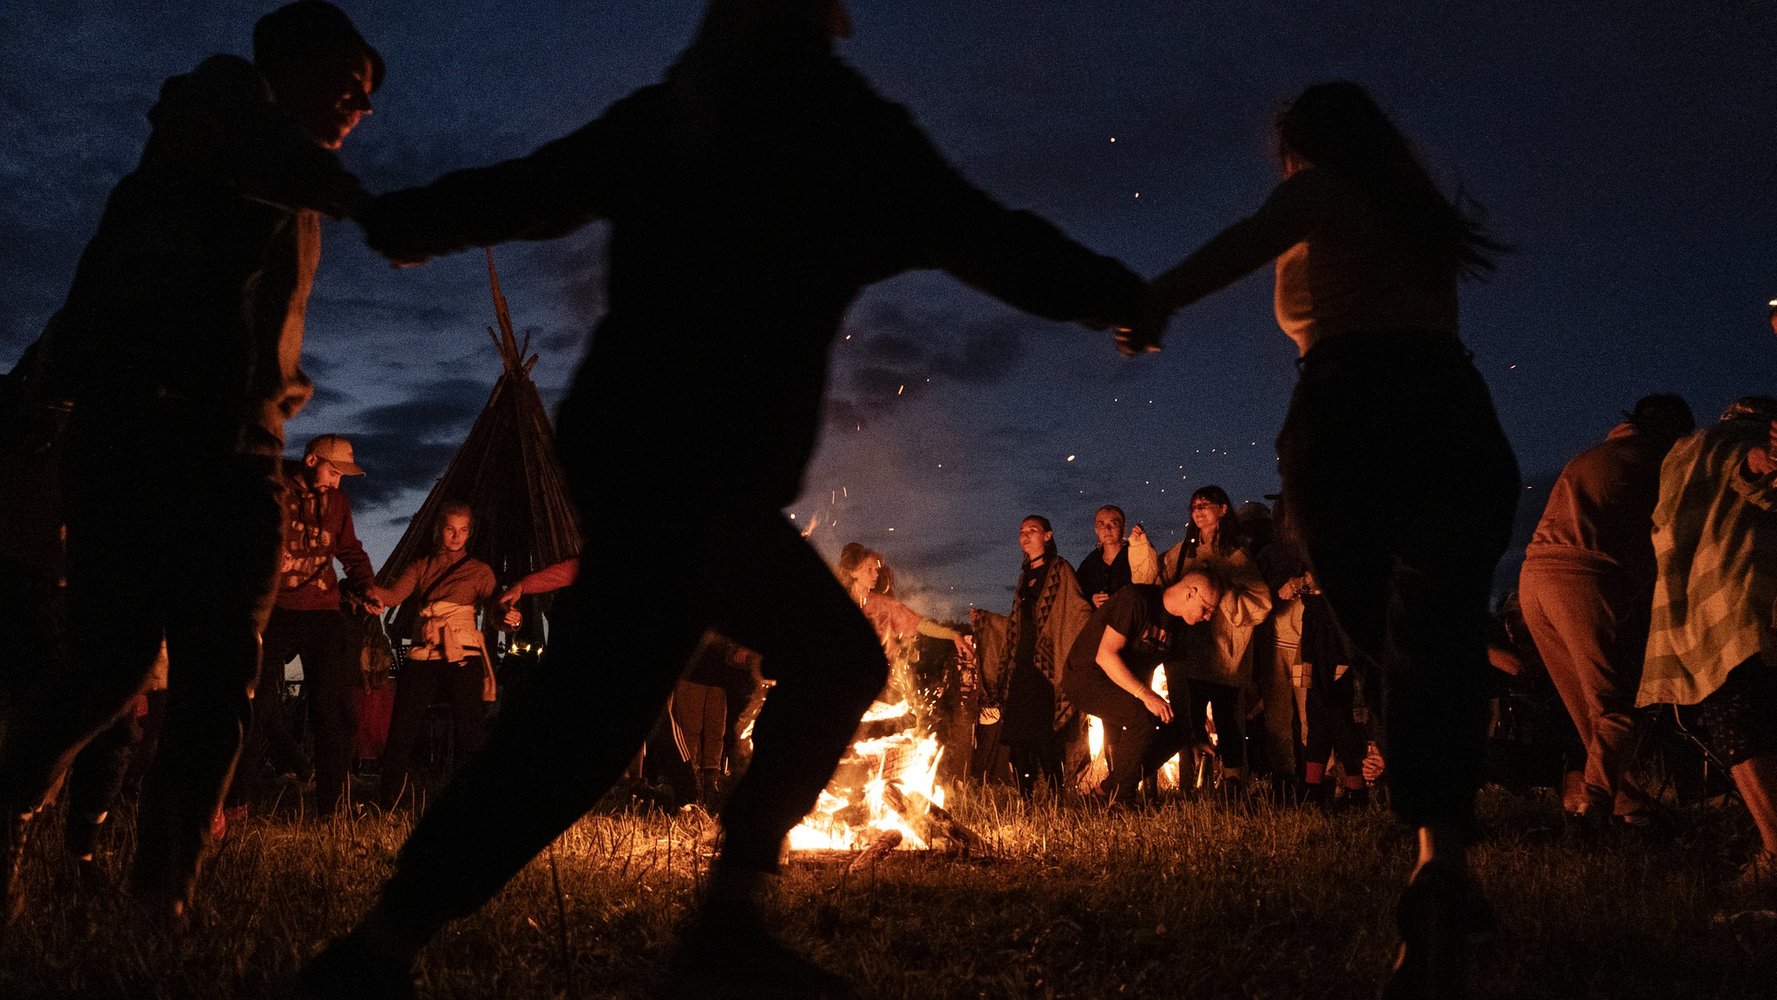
(1625, 149)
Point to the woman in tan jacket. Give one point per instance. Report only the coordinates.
(1212, 662)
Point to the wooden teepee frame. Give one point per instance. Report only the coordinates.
(506, 471)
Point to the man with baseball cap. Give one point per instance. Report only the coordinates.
(308, 620)
(179, 347)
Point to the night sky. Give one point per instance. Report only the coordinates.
(1624, 149)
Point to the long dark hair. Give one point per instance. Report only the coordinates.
(1050, 552)
(1229, 534)
(1337, 126)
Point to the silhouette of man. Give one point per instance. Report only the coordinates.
(179, 345)
(753, 193)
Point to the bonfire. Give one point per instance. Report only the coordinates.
(885, 793)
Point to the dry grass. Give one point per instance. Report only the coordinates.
(1194, 900)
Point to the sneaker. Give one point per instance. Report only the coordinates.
(727, 954)
(347, 970)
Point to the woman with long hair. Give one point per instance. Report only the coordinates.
(1037, 722)
(871, 584)
(1212, 661)
(1393, 462)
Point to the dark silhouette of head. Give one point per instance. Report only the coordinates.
(306, 30)
(1337, 126)
(1662, 414)
(321, 70)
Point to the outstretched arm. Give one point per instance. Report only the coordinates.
(1288, 216)
(548, 193)
(1017, 257)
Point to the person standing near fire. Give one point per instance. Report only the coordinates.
(1212, 664)
(1108, 568)
(1038, 724)
(445, 594)
(752, 195)
(871, 584)
(179, 345)
(308, 620)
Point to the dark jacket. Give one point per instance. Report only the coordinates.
(752, 196)
(317, 530)
(195, 285)
(1600, 511)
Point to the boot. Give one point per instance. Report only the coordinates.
(709, 787)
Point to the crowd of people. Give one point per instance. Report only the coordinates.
(752, 194)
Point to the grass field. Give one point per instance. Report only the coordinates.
(1193, 900)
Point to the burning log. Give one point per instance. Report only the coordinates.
(916, 808)
(880, 845)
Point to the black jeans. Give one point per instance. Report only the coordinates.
(329, 680)
(1332, 728)
(1224, 699)
(171, 535)
(1403, 487)
(620, 637)
(1130, 730)
(419, 684)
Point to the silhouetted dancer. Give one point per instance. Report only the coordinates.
(179, 346)
(1393, 463)
(753, 193)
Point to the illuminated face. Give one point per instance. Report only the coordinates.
(867, 573)
(455, 533)
(1032, 539)
(1109, 527)
(1192, 599)
(1206, 513)
(328, 97)
(323, 475)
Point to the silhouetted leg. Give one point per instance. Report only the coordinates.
(1129, 728)
(214, 620)
(416, 688)
(279, 645)
(330, 673)
(468, 713)
(281, 745)
(828, 665)
(94, 781)
(544, 765)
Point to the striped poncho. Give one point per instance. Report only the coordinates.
(1715, 540)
